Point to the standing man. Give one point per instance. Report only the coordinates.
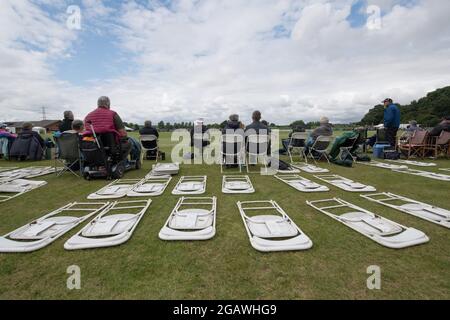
(391, 121)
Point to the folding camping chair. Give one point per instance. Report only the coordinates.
(346, 147)
(257, 147)
(232, 150)
(381, 230)
(320, 147)
(297, 142)
(149, 138)
(439, 145)
(415, 145)
(68, 154)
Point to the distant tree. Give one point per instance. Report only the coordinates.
(298, 123)
(136, 127)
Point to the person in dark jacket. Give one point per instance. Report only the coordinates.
(66, 124)
(29, 145)
(443, 126)
(27, 128)
(233, 124)
(256, 127)
(391, 121)
(148, 129)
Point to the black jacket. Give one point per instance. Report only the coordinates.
(148, 131)
(65, 125)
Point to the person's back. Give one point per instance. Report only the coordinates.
(104, 120)
(66, 123)
(256, 127)
(444, 125)
(392, 116)
(325, 129)
(148, 129)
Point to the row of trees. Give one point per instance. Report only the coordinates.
(427, 111)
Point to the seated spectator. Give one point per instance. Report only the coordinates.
(66, 124)
(28, 145)
(27, 129)
(444, 125)
(233, 124)
(77, 127)
(325, 129)
(148, 129)
(6, 140)
(409, 132)
(199, 129)
(104, 120)
(257, 126)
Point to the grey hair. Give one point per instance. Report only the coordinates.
(27, 125)
(234, 117)
(77, 125)
(147, 124)
(103, 101)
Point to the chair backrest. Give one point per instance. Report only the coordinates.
(68, 146)
(148, 138)
(258, 144)
(232, 143)
(443, 138)
(322, 143)
(349, 143)
(419, 137)
(298, 139)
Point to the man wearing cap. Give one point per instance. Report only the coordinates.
(391, 121)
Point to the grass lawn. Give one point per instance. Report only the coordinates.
(227, 267)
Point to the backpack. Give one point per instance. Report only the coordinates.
(282, 165)
(391, 155)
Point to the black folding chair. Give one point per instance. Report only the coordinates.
(68, 154)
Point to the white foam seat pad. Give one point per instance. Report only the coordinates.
(166, 168)
(417, 163)
(300, 242)
(110, 225)
(370, 223)
(237, 185)
(147, 189)
(20, 185)
(349, 185)
(45, 228)
(407, 238)
(434, 214)
(167, 233)
(312, 169)
(111, 192)
(191, 219)
(426, 174)
(270, 226)
(383, 231)
(307, 186)
(190, 186)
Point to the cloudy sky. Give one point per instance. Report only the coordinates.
(182, 59)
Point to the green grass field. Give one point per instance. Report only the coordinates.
(227, 267)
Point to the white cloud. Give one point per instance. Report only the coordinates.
(213, 58)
